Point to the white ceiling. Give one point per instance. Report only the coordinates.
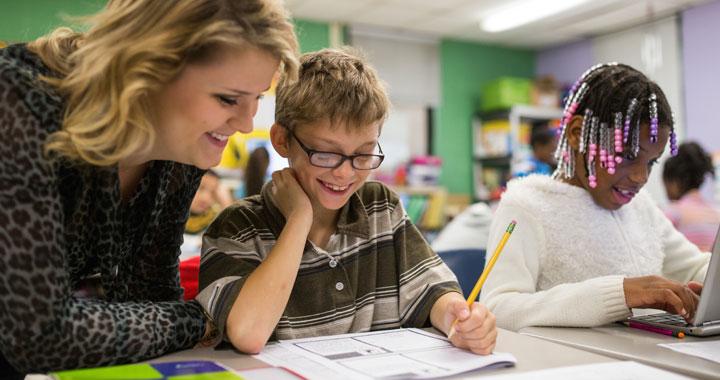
(460, 18)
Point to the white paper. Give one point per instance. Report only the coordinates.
(390, 354)
(267, 373)
(603, 371)
(709, 350)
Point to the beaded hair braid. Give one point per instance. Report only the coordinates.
(615, 100)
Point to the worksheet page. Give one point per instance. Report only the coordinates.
(709, 350)
(401, 353)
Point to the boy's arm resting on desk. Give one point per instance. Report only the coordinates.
(510, 291)
(245, 294)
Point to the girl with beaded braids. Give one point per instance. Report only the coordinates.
(589, 244)
(689, 211)
(105, 136)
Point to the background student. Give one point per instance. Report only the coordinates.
(543, 142)
(589, 244)
(211, 197)
(689, 211)
(105, 135)
(257, 165)
(321, 251)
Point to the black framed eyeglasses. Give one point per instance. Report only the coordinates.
(332, 160)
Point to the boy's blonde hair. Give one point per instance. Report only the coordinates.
(337, 84)
(133, 49)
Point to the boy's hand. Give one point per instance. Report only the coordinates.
(657, 292)
(475, 327)
(289, 196)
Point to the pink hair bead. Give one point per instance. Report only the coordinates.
(618, 140)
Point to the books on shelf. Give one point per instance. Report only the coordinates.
(425, 206)
(494, 139)
(501, 140)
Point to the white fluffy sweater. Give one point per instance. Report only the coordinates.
(565, 262)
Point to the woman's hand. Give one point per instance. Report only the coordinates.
(289, 196)
(657, 292)
(475, 328)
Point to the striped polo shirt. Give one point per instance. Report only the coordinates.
(377, 271)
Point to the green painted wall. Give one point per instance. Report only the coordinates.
(312, 35)
(26, 20)
(465, 68)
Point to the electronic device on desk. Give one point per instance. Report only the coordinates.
(707, 317)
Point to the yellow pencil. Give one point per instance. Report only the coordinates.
(478, 285)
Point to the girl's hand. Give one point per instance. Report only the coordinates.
(289, 196)
(657, 292)
(695, 286)
(475, 327)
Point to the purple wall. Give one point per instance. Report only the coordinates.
(565, 62)
(701, 72)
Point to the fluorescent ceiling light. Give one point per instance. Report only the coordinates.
(524, 12)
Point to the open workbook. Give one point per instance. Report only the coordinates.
(389, 354)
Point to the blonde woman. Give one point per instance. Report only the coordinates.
(105, 136)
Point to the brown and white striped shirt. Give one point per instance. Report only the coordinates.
(377, 272)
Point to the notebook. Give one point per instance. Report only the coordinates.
(186, 370)
(707, 317)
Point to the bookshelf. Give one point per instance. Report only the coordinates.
(426, 207)
(501, 139)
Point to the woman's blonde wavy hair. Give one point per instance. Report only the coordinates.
(132, 49)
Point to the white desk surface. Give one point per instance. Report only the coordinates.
(531, 353)
(626, 343)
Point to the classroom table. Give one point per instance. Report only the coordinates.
(531, 353)
(624, 343)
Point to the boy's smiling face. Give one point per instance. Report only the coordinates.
(327, 188)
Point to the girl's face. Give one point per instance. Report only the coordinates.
(616, 190)
(208, 102)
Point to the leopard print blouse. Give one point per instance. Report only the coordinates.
(62, 222)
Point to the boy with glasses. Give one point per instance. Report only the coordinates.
(321, 251)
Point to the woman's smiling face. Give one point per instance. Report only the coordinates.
(208, 102)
